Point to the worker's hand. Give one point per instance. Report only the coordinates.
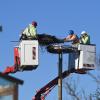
(65, 40)
(23, 37)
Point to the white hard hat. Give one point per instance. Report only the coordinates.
(83, 32)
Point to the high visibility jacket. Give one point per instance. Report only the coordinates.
(30, 31)
(85, 39)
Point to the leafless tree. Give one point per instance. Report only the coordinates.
(71, 89)
(76, 94)
(98, 60)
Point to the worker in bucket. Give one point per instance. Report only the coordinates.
(30, 32)
(72, 37)
(84, 38)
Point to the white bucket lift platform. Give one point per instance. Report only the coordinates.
(28, 54)
(81, 57)
(84, 59)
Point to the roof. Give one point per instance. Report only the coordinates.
(11, 78)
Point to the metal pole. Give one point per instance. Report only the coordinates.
(60, 77)
(0, 28)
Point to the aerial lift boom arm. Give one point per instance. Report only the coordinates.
(42, 93)
(14, 68)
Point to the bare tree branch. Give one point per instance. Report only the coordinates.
(84, 95)
(71, 90)
(94, 77)
(98, 61)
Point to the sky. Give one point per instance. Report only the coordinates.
(54, 17)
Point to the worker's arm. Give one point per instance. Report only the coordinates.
(70, 38)
(23, 35)
(73, 37)
(67, 38)
(25, 31)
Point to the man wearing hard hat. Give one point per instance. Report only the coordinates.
(85, 38)
(30, 32)
(72, 37)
